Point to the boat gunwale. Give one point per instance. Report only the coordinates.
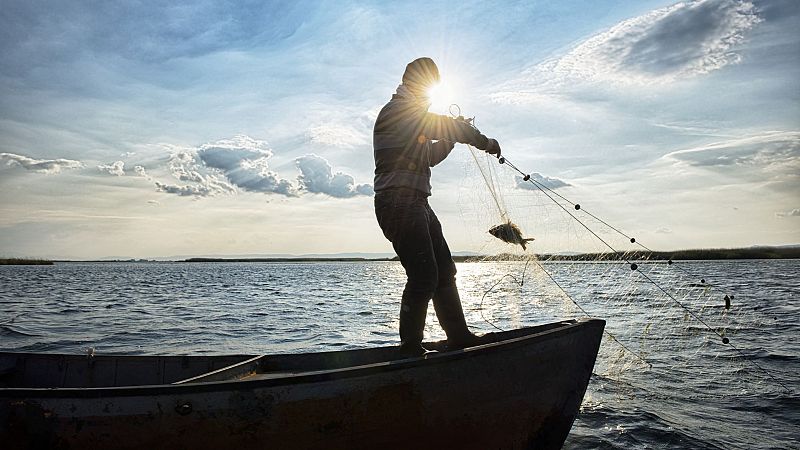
(306, 377)
(247, 362)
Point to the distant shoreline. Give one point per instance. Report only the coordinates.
(298, 259)
(680, 255)
(788, 252)
(750, 253)
(25, 262)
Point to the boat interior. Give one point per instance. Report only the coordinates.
(92, 370)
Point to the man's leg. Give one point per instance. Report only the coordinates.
(406, 226)
(416, 255)
(446, 300)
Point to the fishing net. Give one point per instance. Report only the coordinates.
(664, 318)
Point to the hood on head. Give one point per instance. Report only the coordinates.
(421, 74)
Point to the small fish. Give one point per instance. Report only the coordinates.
(509, 232)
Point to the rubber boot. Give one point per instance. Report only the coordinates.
(412, 326)
(447, 304)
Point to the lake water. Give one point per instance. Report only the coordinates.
(663, 380)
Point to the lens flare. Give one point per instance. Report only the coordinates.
(441, 96)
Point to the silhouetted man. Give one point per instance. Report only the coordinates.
(408, 140)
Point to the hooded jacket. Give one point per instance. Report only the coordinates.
(403, 142)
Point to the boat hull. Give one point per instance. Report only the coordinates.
(517, 393)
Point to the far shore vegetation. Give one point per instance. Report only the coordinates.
(784, 252)
(678, 255)
(24, 262)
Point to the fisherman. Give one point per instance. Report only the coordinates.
(408, 140)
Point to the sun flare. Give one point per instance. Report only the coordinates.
(442, 95)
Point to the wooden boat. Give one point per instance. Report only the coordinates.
(521, 389)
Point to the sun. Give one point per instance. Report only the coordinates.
(442, 95)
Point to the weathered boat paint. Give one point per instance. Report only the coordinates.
(522, 390)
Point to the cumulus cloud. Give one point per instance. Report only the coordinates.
(243, 161)
(222, 167)
(317, 176)
(184, 165)
(793, 213)
(681, 41)
(552, 183)
(139, 170)
(115, 168)
(228, 154)
(48, 166)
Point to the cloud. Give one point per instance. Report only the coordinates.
(139, 170)
(228, 154)
(678, 42)
(318, 177)
(115, 168)
(48, 166)
(663, 230)
(773, 153)
(336, 135)
(552, 183)
(184, 166)
(684, 40)
(243, 161)
(768, 159)
(187, 190)
(222, 167)
(793, 213)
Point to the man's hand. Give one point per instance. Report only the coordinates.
(492, 147)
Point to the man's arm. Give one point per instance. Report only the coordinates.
(439, 127)
(440, 150)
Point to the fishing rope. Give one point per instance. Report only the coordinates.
(543, 187)
(486, 174)
(521, 283)
(634, 267)
(725, 340)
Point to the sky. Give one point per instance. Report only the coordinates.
(150, 129)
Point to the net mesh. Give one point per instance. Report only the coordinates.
(662, 318)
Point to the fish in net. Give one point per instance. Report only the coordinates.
(510, 233)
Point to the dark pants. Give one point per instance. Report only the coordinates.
(416, 235)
